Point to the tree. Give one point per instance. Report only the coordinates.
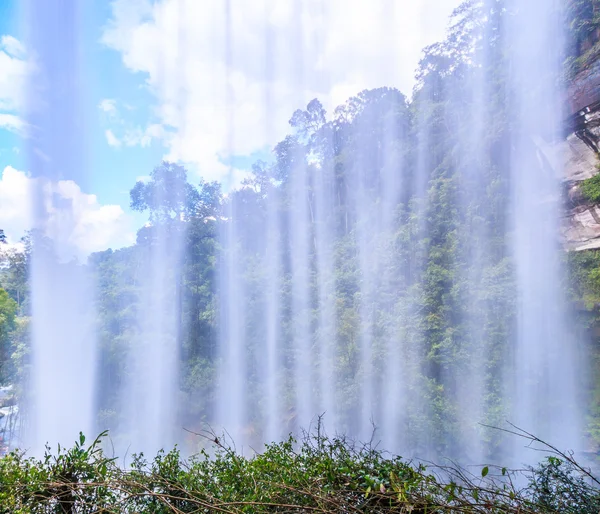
(583, 21)
(167, 196)
(307, 123)
(8, 311)
(14, 277)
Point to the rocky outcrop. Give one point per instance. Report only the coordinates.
(574, 160)
(579, 154)
(581, 224)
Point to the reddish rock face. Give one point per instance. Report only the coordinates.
(584, 91)
(575, 157)
(588, 43)
(578, 157)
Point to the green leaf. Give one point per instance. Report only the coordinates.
(485, 471)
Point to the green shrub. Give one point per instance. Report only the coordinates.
(557, 486)
(318, 474)
(590, 188)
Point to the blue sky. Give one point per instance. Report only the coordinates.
(9, 141)
(157, 84)
(114, 170)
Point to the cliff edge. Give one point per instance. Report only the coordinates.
(580, 152)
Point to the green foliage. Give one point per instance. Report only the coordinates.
(583, 18)
(317, 474)
(584, 284)
(8, 310)
(58, 483)
(584, 289)
(14, 273)
(168, 195)
(583, 25)
(558, 486)
(590, 188)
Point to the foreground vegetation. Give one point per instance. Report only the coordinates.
(318, 474)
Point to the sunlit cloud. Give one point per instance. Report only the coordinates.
(94, 227)
(14, 69)
(111, 139)
(108, 105)
(13, 123)
(280, 57)
(124, 133)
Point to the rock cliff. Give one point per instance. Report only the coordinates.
(579, 153)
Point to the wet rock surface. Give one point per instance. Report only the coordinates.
(579, 154)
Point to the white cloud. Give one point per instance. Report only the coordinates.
(283, 54)
(85, 226)
(15, 214)
(12, 122)
(129, 135)
(108, 105)
(111, 139)
(143, 137)
(12, 46)
(14, 69)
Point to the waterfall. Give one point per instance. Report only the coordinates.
(61, 399)
(392, 272)
(546, 355)
(389, 364)
(149, 406)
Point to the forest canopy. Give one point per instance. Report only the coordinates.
(426, 250)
